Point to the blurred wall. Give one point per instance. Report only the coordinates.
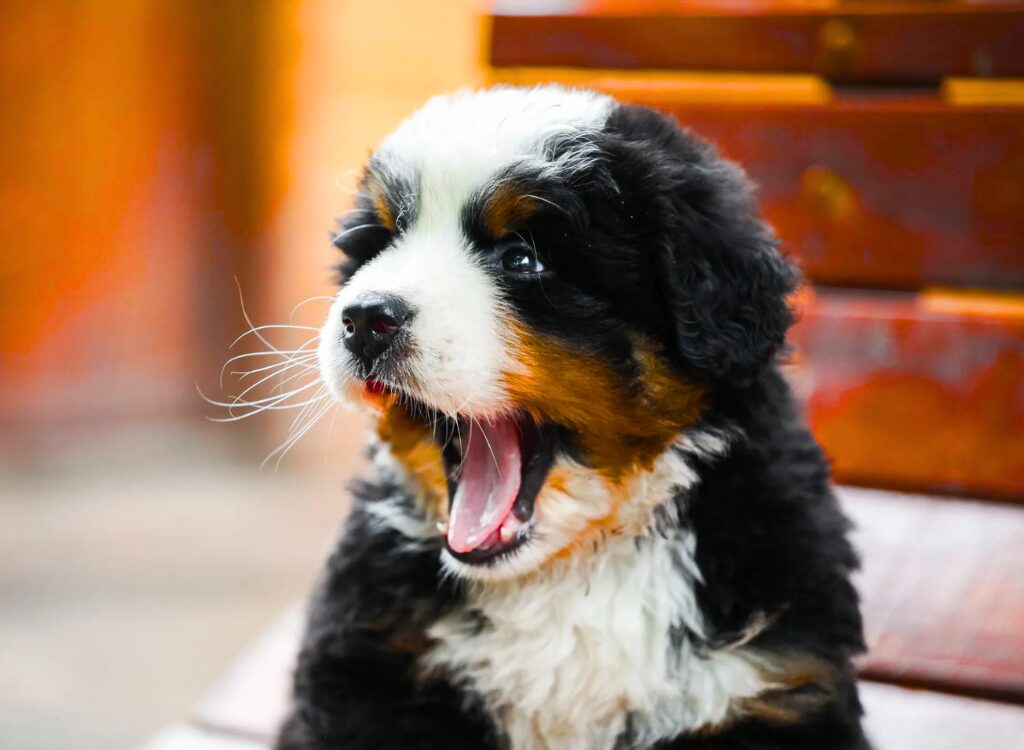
(130, 199)
(157, 152)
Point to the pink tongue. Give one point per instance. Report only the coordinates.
(488, 485)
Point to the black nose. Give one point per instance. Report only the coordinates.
(370, 325)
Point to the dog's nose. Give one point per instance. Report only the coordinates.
(371, 324)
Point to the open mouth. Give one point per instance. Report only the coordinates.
(495, 468)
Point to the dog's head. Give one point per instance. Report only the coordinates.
(543, 289)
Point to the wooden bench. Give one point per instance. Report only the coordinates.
(887, 143)
(887, 140)
(944, 607)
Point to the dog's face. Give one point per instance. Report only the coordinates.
(543, 290)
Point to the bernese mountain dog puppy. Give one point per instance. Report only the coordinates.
(595, 519)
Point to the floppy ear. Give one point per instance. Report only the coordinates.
(724, 282)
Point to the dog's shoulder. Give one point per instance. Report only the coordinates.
(773, 539)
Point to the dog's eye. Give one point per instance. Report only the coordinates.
(520, 259)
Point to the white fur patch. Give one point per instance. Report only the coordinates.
(445, 152)
(394, 514)
(573, 656)
(456, 143)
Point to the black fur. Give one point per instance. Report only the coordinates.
(356, 677)
(658, 235)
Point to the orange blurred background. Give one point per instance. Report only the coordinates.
(156, 152)
(160, 158)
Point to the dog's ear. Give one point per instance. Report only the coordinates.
(723, 280)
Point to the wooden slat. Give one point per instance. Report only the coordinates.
(884, 190)
(916, 391)
(942, 591)
(900, 719)
(888, 193)
(693, 87)
(864, 41)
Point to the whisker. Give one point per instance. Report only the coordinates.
(313, 421)
(276, 397)
(307, 362)
(303, 361)
(353, 210)
(335, 238)
(293, 438)
(252, 328)
(254, 412)
(320, 392)
(293, 376)
(273, 326)
(330, 432)
(284, 354)
(307, 301)
(280, 367)
(274, 353)
(344, 175)
(545, 200)
(258, 402)
(280, 371)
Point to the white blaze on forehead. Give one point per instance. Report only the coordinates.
(455, 144)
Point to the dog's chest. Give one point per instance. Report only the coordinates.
(591, 653)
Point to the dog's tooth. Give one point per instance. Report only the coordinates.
(442, 527)
(507, 533)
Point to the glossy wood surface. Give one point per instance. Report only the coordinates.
(865, 41)
(942, 590)
(916, 391)
(885, 189)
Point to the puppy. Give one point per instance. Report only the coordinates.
(595, 518)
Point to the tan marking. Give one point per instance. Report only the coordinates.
(505, 210)
(380, 202)
(556, 481)
(383, 210)
(559, 488)
(412, 444)
(788, 700)
(622, 429)
(407, 640)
